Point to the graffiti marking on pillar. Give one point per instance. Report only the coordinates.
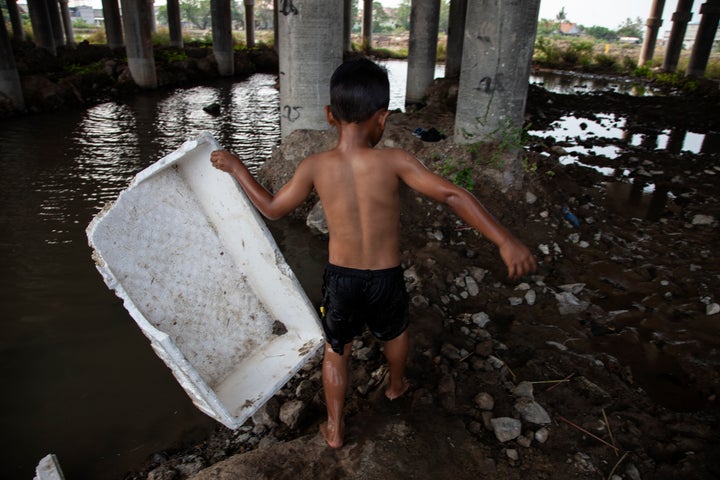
(484, 85)
(287, 8)
(291, 113)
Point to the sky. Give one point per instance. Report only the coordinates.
(604, 13)
(588, 13)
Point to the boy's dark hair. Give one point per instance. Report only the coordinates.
(358, 89)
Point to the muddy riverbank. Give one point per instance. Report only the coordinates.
(604, 364)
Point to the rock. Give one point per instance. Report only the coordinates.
(530, 297)
(316, 219)
(291, 411)
(484, 348)
(525, 440)
(412, 281)
(267, 415)
(530, 197)
(190, 465)
(212, 109)
(450, 351)
(524, 390)
(506, 428)
(484, 401)
(305, 390)
(514, 301)
(701, 219)
(512, 454)
(163, 472)
(480, 319)
(532, 412)
(472, 286)
(712, 309)
(542, 434)
(569, 304)
(478, 273)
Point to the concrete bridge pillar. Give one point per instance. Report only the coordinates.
(113, 24)
(652, 26)
(67, 23)
(250, 23)
(710, 11)
(174, 23)
(222, 36)
(9, 79)
(56, 22)
(347, 25)
(41, 25)
(367, 24)
(139, 49)
(680, 19)
(497, 52)
(456, 32)
(422, 48)
(310, 49)
(15, 20)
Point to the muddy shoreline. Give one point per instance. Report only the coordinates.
(613, 337)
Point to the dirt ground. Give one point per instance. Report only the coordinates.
(615, 344)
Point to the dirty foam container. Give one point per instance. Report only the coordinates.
(203, 278)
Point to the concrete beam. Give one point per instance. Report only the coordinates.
(9, 79)
(310, 49)
(139, 49)
(456, 32)
(113, 24)
(702, 47)
(422, 49)
(174, 23)
(250, 23)
(222, 36)
(652, 27)
(680, 19)
(497, 52)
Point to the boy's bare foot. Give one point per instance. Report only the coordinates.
(333, 436)
(393, 393)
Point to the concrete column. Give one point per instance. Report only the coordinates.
(15, 20)
(456, 32)
(174, 23)
(497, 51)
(422, 50)
(702, 47)
(9, 78)
(41, 25)
(113, 24)
(151, 16)
(139, 49)
(222, 36)
(250, 23)
(347, 25)
(276, 29)
(310, 36)
(67, 23)
(680, 19)
(367, 25)
(56, 22)
(652, 26)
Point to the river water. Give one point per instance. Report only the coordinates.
(79, 378)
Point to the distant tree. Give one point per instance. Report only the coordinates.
(444, 15)
(403, 15)
(561, 16)
(601, 33)
(381, 20)
(546, 27)
(631, 28)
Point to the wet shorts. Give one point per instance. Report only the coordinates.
(354, 298)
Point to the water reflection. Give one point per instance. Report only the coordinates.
(574, 83)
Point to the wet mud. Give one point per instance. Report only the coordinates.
(615, 337)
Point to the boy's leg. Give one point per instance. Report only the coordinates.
(396, 351)
(335, 383)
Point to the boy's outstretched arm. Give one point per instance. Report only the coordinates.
(271, 206)
(515, 254)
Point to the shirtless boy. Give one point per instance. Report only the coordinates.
(359, 190)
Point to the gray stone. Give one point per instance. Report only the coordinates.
(542, 434)
(506, 428)
(484, 401)
(712, 309)
(532, 412)
(291, 412)
(480, 319)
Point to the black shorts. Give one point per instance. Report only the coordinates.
(354, 298)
